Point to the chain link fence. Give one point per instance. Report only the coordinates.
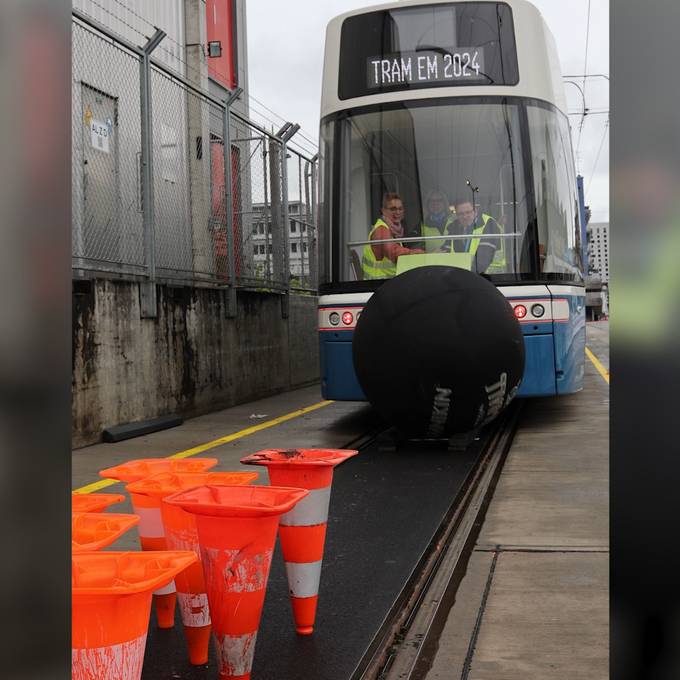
(169, 217)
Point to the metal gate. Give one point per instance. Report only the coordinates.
(100, 229)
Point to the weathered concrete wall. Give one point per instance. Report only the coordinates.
(191, 359)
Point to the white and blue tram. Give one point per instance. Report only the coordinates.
(464, 98)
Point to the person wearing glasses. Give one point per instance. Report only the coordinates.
(379, 261)
(486, 251)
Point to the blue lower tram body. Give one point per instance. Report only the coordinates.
(554, 350)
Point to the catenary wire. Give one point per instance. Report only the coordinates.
(585, 70)
(597, 157)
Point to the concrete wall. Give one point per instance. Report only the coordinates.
(192, 359)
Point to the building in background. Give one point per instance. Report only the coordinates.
(598, 239)
(300, 238)
(598, 255)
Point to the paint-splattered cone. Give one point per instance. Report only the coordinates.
(236, 532)
(302, 531)
(94, 502)
(95, 530)
(151, 535)
(111, 601)
(181, 534)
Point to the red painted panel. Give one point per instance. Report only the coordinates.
(218, 213)
(220, 16)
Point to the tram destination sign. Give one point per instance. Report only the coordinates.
(456, 65)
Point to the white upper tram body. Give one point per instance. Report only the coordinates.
(539, 66)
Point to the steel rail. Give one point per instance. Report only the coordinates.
(416, 621)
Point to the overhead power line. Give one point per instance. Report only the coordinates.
(585, 70)
(599, 151)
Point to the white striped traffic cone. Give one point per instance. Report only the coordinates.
(302, 530)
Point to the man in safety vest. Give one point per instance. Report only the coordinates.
(486, 251)
(379, 261)
(438, 220)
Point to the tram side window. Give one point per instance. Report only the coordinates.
(555, 189)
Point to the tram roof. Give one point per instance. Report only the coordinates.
(540, 75)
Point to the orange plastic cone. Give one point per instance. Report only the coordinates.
(94, 502)
(181, 534)
(236, 532)
(302, 531)
(95, 530)
(133, 470)
(111, 601)
(151, 535)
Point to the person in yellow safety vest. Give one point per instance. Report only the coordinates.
(379, 261)
(438, 220)
(487, 252)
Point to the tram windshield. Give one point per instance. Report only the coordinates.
(461, 169)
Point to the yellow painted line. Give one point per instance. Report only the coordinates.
(601, 369)
(95, 486)
(249, 430)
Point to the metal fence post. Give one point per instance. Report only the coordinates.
(312, 237)
(266, 213)
(276, 210)
(147, 289)
(285, 302)
(229, 202)
(285, 134)
(301, 224)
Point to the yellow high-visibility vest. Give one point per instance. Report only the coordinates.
(498, 262)
(434, 245)
(374, 268)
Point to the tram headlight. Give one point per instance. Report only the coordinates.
(537, 310)
(334, 318)
(520, 311)
(347, 318)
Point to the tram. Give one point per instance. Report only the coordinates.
(464, 100)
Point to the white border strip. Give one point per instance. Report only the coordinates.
(524, 291)
(310, 511)
(345, 299)
(303, 578)
(578, 291)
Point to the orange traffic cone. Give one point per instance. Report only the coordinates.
(95, 530)
(302, 531)
(111, 601)
(94, 502)
(181, 534)
(236, 532)
(151, 535)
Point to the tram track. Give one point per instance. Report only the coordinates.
(403, 648)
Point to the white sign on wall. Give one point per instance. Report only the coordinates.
(100, 135)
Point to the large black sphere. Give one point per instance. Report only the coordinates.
(438, 351)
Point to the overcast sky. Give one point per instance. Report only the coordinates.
(285, 57)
